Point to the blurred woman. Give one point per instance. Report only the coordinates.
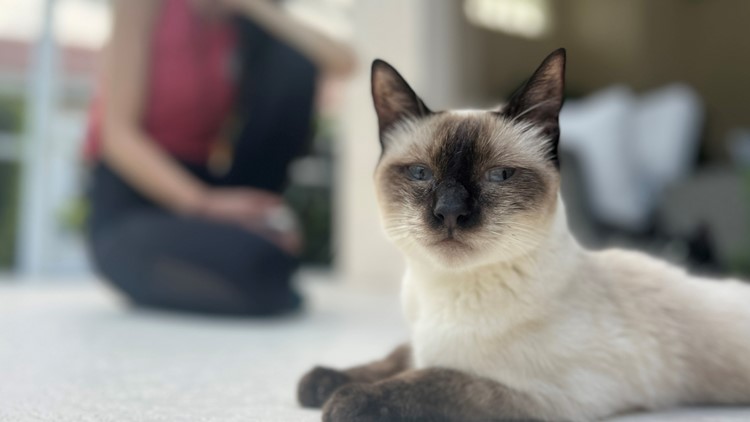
(204, 104)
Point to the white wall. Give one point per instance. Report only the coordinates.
(423, 39)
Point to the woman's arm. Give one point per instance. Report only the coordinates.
(331, 56)
(126, 147)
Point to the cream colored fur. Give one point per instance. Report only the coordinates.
(515, 299)
(588, 334)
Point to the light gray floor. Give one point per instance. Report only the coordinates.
(72, 352)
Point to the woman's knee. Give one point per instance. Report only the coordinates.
(157, 265)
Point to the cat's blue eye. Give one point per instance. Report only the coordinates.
(418, 172)
(500, 174)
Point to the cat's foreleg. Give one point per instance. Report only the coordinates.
(433, 394)
(320, 383)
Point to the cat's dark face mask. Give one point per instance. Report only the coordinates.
(468, 187)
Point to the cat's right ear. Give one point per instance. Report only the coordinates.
(393, 97)
(540, 99)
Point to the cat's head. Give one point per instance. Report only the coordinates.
(467, 188)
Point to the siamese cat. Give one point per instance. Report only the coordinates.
(511, 319)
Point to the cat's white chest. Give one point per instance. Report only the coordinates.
(466, 330)
(546, 350)
(462, 347)
(484, 347)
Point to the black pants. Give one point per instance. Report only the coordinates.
(162, 260)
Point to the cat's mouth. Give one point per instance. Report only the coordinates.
(450, 251)
(449, 241)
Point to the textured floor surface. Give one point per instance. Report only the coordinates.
(71, 352)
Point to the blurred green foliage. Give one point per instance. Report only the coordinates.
(313, 208)
(740, 262)
(11, 122)
(74, 214)
(11, 114)
(9, 182)
(314, 204)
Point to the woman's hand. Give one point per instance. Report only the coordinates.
(238, 205)
(261, 212)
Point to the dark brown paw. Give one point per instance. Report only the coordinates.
(318, 385)
(358, 403)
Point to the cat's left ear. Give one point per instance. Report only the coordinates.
(540, 99)
(393, 97)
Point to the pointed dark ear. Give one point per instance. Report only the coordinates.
(393, 97)
(540, 99)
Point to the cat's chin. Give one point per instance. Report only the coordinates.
(451, 254)
(455, 255)
(450, 244)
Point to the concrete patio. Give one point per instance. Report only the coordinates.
(70, 351)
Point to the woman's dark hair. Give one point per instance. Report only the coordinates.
(264, 59)
(275, 96)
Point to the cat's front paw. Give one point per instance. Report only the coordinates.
(358, 403)
(318, 385)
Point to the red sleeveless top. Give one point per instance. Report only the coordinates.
(191, 81)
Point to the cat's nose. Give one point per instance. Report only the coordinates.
(451, 214)
(452, 205)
